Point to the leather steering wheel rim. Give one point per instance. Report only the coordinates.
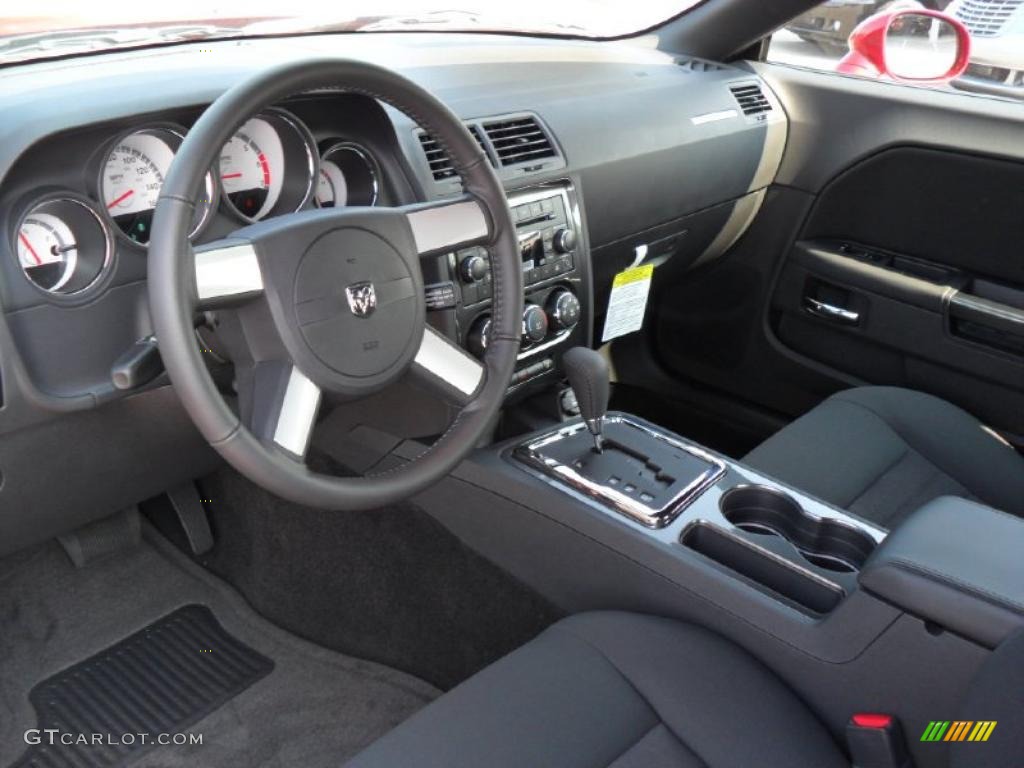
(174, 294)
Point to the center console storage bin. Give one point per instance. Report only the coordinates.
(958, 564)
(768, 538)
(762, 568)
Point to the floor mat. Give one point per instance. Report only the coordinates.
(160, 680)
(314, 708)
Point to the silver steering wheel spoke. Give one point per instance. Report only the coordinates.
(448, 226)
(227, 272)
(279, 405)
(446, 369)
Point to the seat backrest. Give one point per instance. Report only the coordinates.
(997, 693)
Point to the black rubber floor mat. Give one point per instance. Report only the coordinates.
(158, 681)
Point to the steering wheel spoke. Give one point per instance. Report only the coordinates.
(279, 404)
(227, 272)
(446, 369)
(448, 226)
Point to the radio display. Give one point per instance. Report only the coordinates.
(531, 247)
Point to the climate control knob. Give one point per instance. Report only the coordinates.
(478, 336)
(564, 240)
(563, 309)
(474, 269)
(535, 324)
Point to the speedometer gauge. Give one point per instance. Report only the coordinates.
(132, 176)
(268, 166)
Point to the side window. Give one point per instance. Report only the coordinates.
(917, 42)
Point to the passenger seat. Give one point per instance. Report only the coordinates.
(882, 452)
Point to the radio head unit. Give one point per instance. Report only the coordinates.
(546, 222)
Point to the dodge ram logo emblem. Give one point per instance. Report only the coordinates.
(362, 299)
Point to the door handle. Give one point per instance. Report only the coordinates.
(831, 312)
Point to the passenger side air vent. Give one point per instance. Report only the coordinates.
(751, 99)
(519, 140)
(438, 160)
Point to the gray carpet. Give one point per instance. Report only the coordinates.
(316, 708)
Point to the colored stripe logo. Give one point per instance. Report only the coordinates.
(958, 730)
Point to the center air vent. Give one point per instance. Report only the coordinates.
(751, 99)
(438, 160)
(519, 140)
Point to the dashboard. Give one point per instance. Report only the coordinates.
(607, 151)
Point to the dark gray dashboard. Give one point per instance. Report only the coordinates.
(648, 140)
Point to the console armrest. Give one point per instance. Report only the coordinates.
(957, 563)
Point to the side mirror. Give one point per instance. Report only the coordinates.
(908, 46)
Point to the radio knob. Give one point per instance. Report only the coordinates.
(564, 240)
(474, 269)
(479, 335)
(535, 324)
(563, 309)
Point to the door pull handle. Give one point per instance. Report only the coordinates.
(831, 312)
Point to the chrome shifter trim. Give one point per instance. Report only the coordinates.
(560, 475)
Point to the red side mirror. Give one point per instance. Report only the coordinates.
(909, 45)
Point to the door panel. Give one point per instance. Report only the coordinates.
(890, 251)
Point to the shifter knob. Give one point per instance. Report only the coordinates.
(587, 372)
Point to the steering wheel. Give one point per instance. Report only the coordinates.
(329, 302)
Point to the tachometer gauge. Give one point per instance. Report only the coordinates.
(132, 176)
(268, 166)
(348, 176)
(62, 245)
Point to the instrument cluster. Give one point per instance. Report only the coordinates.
(272, 165)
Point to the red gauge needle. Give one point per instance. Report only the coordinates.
(122, 198)
(27, 244)
(231, 176)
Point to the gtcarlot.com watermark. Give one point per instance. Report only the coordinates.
(56, 737)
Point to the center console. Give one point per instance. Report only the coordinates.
(787, 545)
(781, 542)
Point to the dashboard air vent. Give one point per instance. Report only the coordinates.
(519, 140)
(438, 160)
(751, 99)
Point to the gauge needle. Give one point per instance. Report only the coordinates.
(27, 244)
(121, 199)
(231, 176)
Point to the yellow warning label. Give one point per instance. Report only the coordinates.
(633, 275)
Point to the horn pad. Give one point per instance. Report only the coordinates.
(355, 303)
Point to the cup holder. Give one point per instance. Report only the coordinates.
(826, 543)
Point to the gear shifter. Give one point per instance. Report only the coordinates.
(588, 376)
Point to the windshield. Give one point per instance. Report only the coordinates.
(59, 27)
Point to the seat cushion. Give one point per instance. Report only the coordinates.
(882, 452)
(614, 689)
